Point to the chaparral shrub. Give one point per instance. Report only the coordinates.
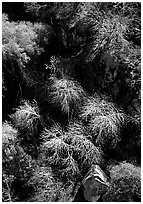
(17, 165)
(125, 183)
(71, 79)
(47, 188)
(29, 123)
(104, 120)
(66, 94)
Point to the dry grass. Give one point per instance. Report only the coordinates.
(104, 119)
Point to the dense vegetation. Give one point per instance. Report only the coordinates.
(71, 81)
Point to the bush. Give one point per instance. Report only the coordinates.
(17, 166)
(66, 94)
(29, 123)
(63, 51)
(9, 137)
(85, 152)
(58, 154)
(23, 48)
(49, 189)
(104, 120)
(125, 183)
(26, 118)
(70, 154)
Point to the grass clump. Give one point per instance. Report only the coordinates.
(104, 120)
(66, 94)
(125, 183)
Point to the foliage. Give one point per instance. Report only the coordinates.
(17, 165)
(125, 183)
(71, 82)
(9, 135)
(66, 94)
(23, 46)
(70, 154)
(26, 117)
(84, 150)
(58, 154)
(104, 120)
(29, 123)
(48, 188)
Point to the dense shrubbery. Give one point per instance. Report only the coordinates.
(103, 120)
(71, 96)
(125, 183)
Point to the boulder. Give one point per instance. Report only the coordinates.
(95, 184)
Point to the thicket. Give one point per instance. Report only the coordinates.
(71, 97)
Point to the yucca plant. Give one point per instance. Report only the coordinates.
(125, 184)
(104, 120)
(66, 94)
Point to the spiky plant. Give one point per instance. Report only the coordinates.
(125, 185)
(66, 94)
(104, 120)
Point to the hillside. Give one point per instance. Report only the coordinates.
(71, 101)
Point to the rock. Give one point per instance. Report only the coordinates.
(95, 184)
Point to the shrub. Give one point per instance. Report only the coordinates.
(66, 94)
(23, 48)
(85, 152)
(26, 118)
(49, 189)
(58, 154)
(104, 120)
(125, 183)
(29, 124)
(70, 153)
(17, 166)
